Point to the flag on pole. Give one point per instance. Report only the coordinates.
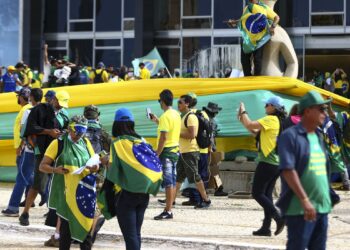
(153, 62)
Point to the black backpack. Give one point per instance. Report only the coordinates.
(98, 77)
(95, 137)
(205, 129)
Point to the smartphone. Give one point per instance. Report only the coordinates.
(149, 113)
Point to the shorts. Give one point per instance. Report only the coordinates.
(169, 173)
(187, 166)
(40, 178)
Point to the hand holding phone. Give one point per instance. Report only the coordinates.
(149, 114)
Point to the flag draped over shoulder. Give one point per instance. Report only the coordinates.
(333, 146)
(153, 62)
(135, 167)
(73, 196)
(254, 27)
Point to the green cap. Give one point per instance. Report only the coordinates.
(91, 112)
(311, 98)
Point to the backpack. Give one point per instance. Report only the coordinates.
(98, 77)
(95, 137)
(84, 76)
(346, 128)
(205, 129)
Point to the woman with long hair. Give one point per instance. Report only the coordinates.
(267, 129)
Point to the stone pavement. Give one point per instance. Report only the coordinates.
(227, 224)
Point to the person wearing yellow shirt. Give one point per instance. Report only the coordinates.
(100, 74)
(21, 180)
(144, 72)
(187, 165)
(169, 126)
(25, 74)
(267, 129)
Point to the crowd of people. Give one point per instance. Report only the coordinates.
(336, 82)
(87, 176)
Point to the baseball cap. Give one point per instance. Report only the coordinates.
(91, 112)
(25, 92)
(63, 98)
(100, 65)
(11, 67)
(123, 115)
(275, 101)
(50, 94)
(192, 95)
(311, 98)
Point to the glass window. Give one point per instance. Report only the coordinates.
(196, 7)
(85, 26)
(171, 58)
(327, 20)
(224, 10)
(81, 9)
(129, 8)
(55, 16)
(80, 51)
(108, 56)
(348, 14)
(129, 24)
(293, 13)
(166, 41)
(129, 51)
(61, 43)
(326, 5)
(167, 14)
(57, 53)
(200, 23)
(108, 15)
(193, 45)
(226, 40)
(107, 42)
(298, 43)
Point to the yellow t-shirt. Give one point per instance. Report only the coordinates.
(105, 76)
(52, 149)
(17, 126)
(189, 145)
(170, 122)
(268, 134)
(145, 74)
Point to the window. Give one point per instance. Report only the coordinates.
(171, 58)
(226, 40)
(327, 20)
(81, 9)
(327, 6)
(55, 16)
(51, 44)
(108, 57)
(80, 51)
(193, 45)
(129, 24)
(108, 15)
(167, 15)
(107, 42)
(57, 53)
(128, 53)
(198, 23)
(83, 26)
(293, 13)
(129, 8)
(196, 7)
(224, 10)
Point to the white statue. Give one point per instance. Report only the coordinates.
(279, 43)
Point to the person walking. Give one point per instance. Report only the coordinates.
(169, 126)
(305, 198)
(267, 129)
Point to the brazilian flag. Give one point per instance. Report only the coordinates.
(254, 27)
(135, 167)
(74, 196)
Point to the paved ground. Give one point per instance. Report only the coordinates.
(228, 223)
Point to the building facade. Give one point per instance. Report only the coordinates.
(117, 31)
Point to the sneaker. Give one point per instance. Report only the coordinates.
(163, 202)
(262, 232)
(203, 204)
(220, 192)
(100, 221)
(23, 204)
(9, 213)
(189, 203)
(24, 219)
(52, 242)
(164, 215)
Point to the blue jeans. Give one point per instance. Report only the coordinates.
(169, 173)
(304, 234)
(24, 179)
(130, 209)
(203, 172)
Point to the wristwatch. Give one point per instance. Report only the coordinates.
(244, 112)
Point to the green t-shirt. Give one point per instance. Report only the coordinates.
(314, 181)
